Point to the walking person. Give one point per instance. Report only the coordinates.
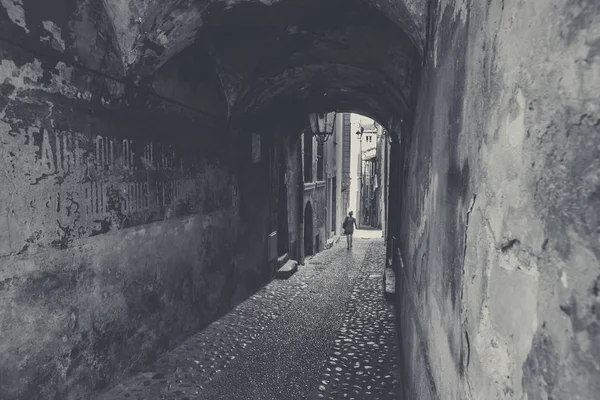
(348, 226)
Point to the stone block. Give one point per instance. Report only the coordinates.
(288, 269)
(331, 242)
(282, 260)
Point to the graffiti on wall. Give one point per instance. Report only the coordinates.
(65, 185)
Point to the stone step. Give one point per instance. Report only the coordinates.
(281, 260)
(331, 242)
(288, 269)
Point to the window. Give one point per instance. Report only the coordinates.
(308, 157)
(320, 161)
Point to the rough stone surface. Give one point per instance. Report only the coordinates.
(498, 293)
(268, 346)
(120, 226)
(296, 59)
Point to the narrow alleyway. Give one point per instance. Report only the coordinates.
(159, 160)
(326, 332)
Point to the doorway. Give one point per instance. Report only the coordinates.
(308, 230)
(282, 217)
(334, 204)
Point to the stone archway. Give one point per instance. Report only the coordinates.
(169, 93)
(308, 230)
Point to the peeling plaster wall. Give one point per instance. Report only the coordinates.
(119, 228)
(140, 36)
(77, 32)
(498, 293)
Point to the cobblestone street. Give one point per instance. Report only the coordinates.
(326, 332)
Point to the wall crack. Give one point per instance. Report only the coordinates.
(471, 206)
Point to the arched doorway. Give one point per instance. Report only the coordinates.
(308, 230)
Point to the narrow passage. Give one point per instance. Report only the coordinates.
(326, 332)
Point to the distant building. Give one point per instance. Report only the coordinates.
(373, 179)
(367, 148)
(313, 187)
(326, 179)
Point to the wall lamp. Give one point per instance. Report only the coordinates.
(322, 125)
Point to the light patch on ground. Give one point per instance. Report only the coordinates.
(15, 11)
(54, 30)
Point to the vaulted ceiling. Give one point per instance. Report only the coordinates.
(259, 57)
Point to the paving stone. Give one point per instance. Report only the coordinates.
(357, 360)
(367, 337)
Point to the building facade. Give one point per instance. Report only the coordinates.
(325, 176)
(370, 191)
(383, 155)
(366, 208)
(373, 177)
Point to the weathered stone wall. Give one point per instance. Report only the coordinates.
(121, 217)
(499, 291)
